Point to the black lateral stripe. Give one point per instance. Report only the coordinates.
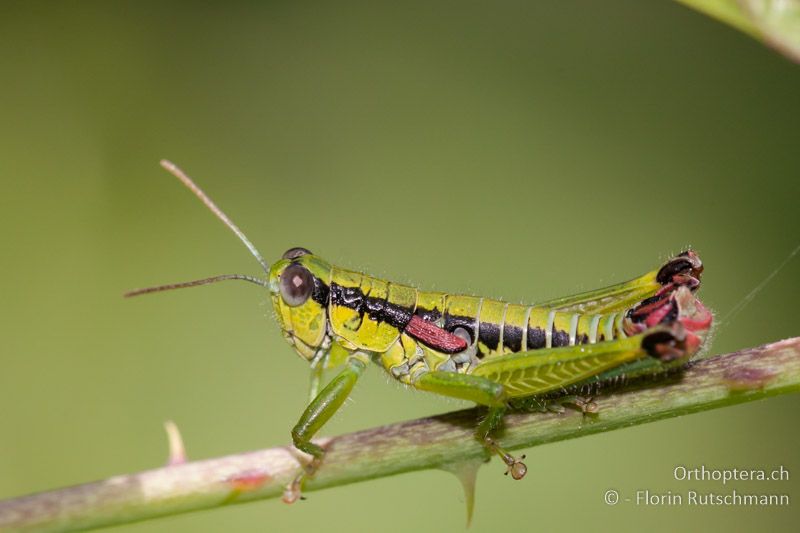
(321, 292)
(337, 296)
(374, 306)
(512, 337)
(378, 309)
(489, 334)
(353, 298)
(451, 322)
(395, 315)
(560, 338)
(431, 315)
(536, 338)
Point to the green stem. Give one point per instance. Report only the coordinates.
(435, 442)
(775, 23)
(726, 11)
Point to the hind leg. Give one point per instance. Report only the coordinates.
(482, 391)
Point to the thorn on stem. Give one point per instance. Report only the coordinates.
(467, 473)
(177, 452)
(292, 492)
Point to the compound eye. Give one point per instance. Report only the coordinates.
(294, 253)
(296, 285)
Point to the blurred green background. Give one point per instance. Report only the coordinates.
(511, 149)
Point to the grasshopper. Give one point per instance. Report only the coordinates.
(487, 351)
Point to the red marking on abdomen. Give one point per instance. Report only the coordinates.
(432, 335)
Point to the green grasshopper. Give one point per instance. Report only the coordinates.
(490, 352)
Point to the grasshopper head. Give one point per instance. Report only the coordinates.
(299, 284)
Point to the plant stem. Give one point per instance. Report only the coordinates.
(435, 442)
(727, 11)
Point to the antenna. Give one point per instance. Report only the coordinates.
(173, 169)
(195, 283)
